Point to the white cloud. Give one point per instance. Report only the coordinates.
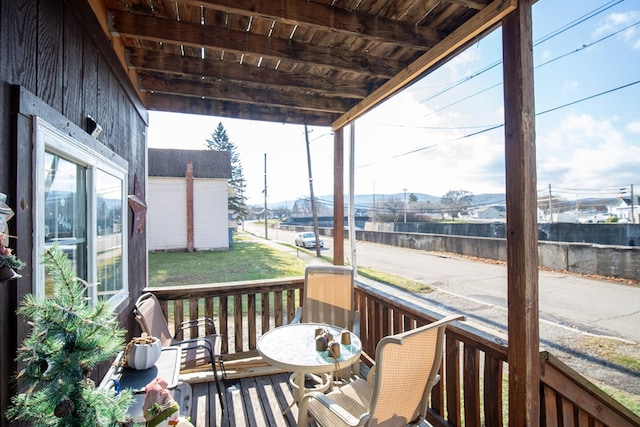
(569, 86)
(545, 55)
(587, 153)
(634, 127)
(616, 22)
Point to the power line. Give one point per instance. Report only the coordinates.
(544, 39)
(490, 128)
(588, 45)
(578, 21)
(588, 98)
(583, 47)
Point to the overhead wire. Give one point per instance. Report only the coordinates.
(488, 128)
(544, 39)
(590, 15)
(583, 47)
(498, 126)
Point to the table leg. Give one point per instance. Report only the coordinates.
(301, 380)
(297, 381)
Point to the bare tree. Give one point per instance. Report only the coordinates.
(394, 205)
(456, 201)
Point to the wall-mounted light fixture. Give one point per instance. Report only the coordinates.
(93, 128)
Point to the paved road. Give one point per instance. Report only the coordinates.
(575, 312)
(601, 307)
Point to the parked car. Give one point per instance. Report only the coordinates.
(308, 240)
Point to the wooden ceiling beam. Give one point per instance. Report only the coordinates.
(242, 94)
(331, 19)
(471, 4)
(483, 21)
(195, 35)
(217, 69)
(210, 107)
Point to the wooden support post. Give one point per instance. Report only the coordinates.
(522, 231)
(189, 206)
(338, 197)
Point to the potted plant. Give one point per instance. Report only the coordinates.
(69, 336)
(9, 263)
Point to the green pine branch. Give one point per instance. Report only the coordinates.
(68, 338)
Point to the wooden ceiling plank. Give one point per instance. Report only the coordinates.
(242, 94)
(331, 19)
(170, 31)
(165, 8)
(159, 61)
(474, 27)
(471, 4)
(209, 107)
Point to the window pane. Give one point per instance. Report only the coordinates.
(66, 212)
(109, 229)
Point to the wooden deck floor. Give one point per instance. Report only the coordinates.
(256, 401)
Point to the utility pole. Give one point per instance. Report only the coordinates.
(633, 202)
(373, 203)
(352, 204)
(314, 215)
(550, 214)
(266, 211)
(405, 205)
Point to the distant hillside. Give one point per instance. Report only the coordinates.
(366, 200)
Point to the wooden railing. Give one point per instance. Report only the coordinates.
(243, 310)
(473, 388)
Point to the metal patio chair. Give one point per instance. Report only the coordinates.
(197, 352)
(329, 298)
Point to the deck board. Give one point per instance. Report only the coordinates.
(250, 402)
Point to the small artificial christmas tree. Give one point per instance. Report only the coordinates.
(68, 338)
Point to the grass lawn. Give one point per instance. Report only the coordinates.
(245, 260)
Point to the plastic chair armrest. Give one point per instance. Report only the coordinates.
(298, 316)
(356, 323)
(338, 410)
(203, 321)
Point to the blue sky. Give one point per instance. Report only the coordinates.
(437, 135)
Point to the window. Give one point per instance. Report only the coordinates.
(80, 206)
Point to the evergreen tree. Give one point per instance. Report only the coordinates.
(68, 339)
(220, 142)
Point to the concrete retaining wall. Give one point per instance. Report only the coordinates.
(602, 234)
(585, 258)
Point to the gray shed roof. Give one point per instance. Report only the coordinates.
(173, 163)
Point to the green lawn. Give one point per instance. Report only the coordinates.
(245, 260)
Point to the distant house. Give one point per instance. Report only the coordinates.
(568, 217)
(187, 199)
(490, 212)
(625, 209)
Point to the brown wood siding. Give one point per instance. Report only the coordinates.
(53, 63)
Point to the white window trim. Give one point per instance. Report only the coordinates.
(48, 137)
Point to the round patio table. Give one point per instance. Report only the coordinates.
(293, 348)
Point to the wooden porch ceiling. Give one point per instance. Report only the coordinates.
(316, 62)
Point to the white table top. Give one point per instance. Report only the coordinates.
(167, 367)
(293, 348)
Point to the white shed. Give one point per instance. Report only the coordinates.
(187, 199)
